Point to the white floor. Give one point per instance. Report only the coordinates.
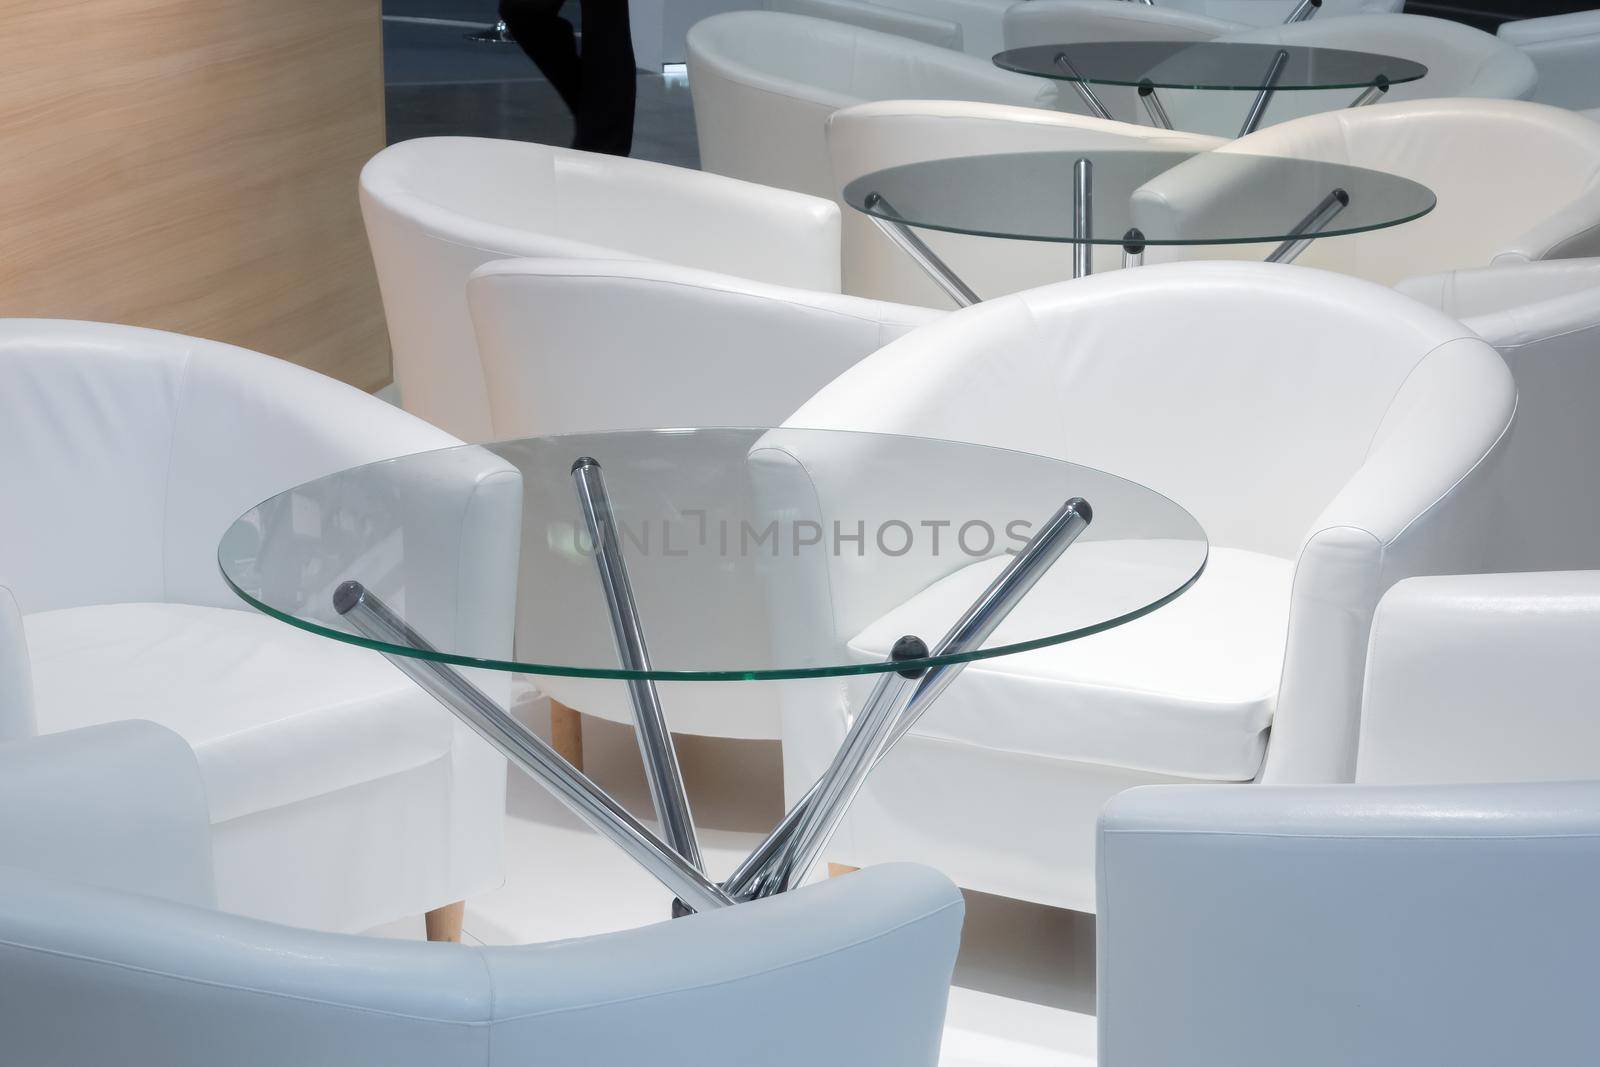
(1024, 986)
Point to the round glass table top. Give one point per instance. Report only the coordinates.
(1160, 198)
(1219, 65)
(751, 553)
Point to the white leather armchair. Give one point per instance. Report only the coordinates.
(1535, 197)
(1257, 927)
(1544, 318)
(110, 952)
(1439, 919)
(1566, 51)
(341, 796)
(1323, 471)
(1046, 22)
(438, 208)
(765, 83)
(693, 349)
(872, 137)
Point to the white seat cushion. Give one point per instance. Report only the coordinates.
(1186, 690)
(276, 715)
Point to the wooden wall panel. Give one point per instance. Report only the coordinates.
(191, 165)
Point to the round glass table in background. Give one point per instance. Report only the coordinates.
(710, 555)
(1134, 199)
(1219, 66)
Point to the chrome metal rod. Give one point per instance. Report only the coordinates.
(499, 33)
(1303, 10)
(1080, 83)
(917, 249)
(1152, 106)
(1133, 248)
(1371, 93)
(1302, 235)
(1258, 109)
(837, 788)
(1082, 218)
(970, 631)
(374, 619)
(661, 767)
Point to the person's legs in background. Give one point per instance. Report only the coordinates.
(610, 79)
(599, 85)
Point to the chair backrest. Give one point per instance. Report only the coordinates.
(128, 452)
(764, 84)
(438, 208)
(980, 20)
(693, 349)
(1483, 678)
(873, 137)
(1046, 22)
(912, 24)
(867, 959)
(1536, 196)
(1544, 319)
(1323, 927)
(1461, 60)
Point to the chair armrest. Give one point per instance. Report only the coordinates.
(1564, 294)
(1417, 505)
(119, 805)
(694, 349)
(16, 675)
(1260, 926)
(1574, 26)
(1572, 231)
(918, 27)
(1483, 678)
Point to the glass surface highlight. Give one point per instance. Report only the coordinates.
(1170, 198)
(753, 553)
(1209, 65)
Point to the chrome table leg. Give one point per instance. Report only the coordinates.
(918, 250)
(1258, 109)
(774, 864)
(1372, 93)
(1133, 248)
(1303, 10)
(1082, 218)
(1152, 106)
(375, 620)
(1320, 216)
(1090, 100)
(661, 766)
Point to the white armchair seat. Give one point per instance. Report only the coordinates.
(1188, 691)
(1566, 51)
(275, 714)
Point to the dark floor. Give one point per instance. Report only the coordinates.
(439, 83)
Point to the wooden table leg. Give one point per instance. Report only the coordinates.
(444, 924)
(566, 733)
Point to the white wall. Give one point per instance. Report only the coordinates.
(659, 26)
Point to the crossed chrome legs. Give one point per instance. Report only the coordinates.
(784, 857)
